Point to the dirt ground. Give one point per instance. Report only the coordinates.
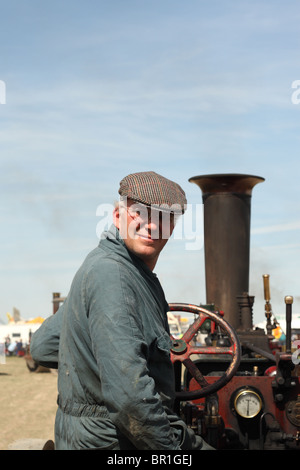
(27, 403)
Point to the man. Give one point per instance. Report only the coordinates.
(111, 337)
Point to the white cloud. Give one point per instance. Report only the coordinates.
(284, 227)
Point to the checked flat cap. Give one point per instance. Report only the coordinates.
(154, 190)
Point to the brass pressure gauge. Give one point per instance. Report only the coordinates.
(247, 403)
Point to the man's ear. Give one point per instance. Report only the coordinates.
(116, 217)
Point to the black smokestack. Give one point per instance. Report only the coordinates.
(227, 210)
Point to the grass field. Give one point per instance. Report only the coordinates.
(27, 403)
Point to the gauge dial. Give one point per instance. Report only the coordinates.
(247, 403)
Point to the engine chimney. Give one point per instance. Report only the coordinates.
(227, 208)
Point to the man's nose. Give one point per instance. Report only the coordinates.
(152, 225)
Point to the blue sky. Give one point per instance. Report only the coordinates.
(96, 90)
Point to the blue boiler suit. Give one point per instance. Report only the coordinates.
(111, 341)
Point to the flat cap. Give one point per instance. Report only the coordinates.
(153, 190)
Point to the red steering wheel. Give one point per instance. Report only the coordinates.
(182, 350)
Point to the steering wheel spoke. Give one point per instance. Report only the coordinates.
(194, 328)
(211, 350)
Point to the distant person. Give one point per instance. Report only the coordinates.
(19, 348)
(12, 348)
(7, 343)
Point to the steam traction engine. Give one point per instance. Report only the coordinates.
(238, 390)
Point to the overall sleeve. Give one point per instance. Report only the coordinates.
(44, 345)
(121, 352)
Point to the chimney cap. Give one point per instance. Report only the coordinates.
(226, 183)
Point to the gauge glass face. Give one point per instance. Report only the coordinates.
(248, 404)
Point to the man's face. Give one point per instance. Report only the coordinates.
(145, 231)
